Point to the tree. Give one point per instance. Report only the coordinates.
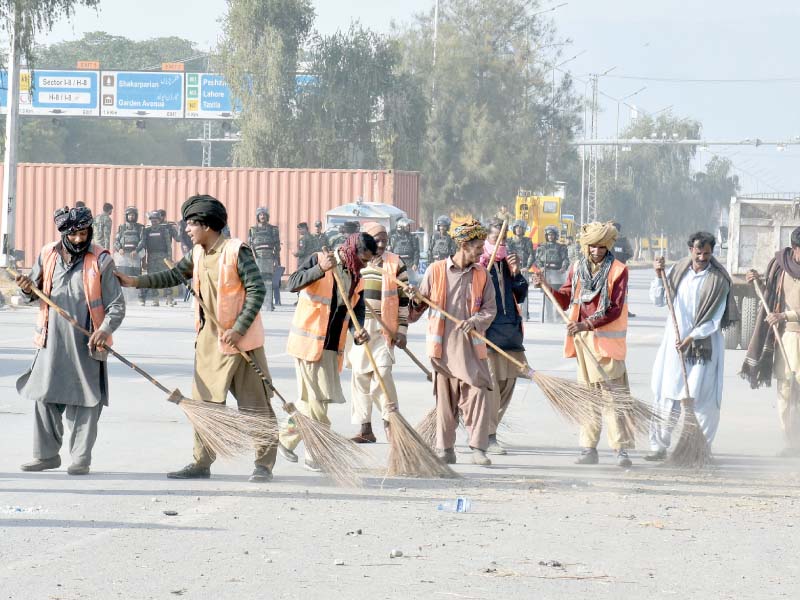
(259, 58)
(495, 121)
(358, 111)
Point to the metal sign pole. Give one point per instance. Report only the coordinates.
(8, 214)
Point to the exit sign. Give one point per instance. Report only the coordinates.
(172, 66)
(89, 65)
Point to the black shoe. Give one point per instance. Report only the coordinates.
(631, 315)
(42, 464)
(588, 457)
(191, 471)
(261, 474)
(622, 459)
(656, 455)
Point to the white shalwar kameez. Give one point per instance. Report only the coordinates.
(705, 379)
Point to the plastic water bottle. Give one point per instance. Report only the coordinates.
(461, 504)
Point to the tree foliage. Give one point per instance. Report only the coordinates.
(496, 119)
(259, 57)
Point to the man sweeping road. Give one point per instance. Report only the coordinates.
(389, 303)
(594, 295)
(225, 275)
(462, 380)
(69, 374)
(763, 358)
(700, 289)
(319, 331)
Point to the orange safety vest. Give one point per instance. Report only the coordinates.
(230, 297)
(390, 299)
(438, 294)
(310, 321)
(92, 289)
(610, 339)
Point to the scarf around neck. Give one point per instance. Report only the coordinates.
(592, 285)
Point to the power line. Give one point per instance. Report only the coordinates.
(691, 80)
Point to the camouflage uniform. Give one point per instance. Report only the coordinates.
(265, 240)
(552, 258)
(102, 230)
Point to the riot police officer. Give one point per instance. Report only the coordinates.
(265, 240)
(441, 245)
(129, 243)
(522, 246)
(158, 238)
(406, 245)
(552, 258)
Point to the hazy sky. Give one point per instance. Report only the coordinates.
(668, 39)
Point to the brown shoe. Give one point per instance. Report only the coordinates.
(365, 436)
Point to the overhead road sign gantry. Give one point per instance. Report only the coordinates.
(56, 93)
(142, 95)
(208, 96)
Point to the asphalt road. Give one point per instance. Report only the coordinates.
(540, 526)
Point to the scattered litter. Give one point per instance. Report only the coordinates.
(551, 563)
(356, 532)
(171, 513)
(459, 505)
(11, 510)
(656, 524)
(180, 592)
(395, 553)
(339, 562)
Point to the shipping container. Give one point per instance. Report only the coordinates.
(292, 195)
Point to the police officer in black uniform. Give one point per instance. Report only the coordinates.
(406, 245)
(522, 246)
(129, 243)
(265, 240)
(553, 259)
(158, 237)
(441, 245)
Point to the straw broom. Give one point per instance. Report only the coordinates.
(224, 431)
(636, 414)
(338, 457)
(408, 453)
(692, 448)
(570, 399)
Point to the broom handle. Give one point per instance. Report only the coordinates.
(213, 318)
(406, 350)
(359, 329)
(778, 338)
(587, 352)
(523, 366)
(668, 294)
(72, 321)
(500, 238)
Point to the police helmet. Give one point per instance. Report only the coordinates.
(132, 210)
(551, 229)
(162, 213)
(262, 210)
(154, 214)
(520, 223)
(443, 220)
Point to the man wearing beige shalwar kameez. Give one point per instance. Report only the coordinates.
(594, 296)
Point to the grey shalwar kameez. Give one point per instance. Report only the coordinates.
(65, 376)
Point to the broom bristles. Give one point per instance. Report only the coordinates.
(692, 449)
(228, 432)
(426, 428)
(339, 458)
(410, 455)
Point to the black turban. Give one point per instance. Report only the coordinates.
(205, 209)
(69, 220)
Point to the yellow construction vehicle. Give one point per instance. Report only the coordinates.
(539, 212)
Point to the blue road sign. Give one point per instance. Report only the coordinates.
(142, 95)
(74, 93)
(208, 96)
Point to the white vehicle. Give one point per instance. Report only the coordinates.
(758, 226)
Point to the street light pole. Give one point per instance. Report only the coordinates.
(616, 148)
(8, 228)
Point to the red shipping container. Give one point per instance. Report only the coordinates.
(292, 195)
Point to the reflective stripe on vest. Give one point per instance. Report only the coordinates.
(230, 296)
(438, 294)
(310, 322)
(610, 339)
(92, 289)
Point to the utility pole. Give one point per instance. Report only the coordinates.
(206, 162)
(591, 192)
(435, 36)
(7, 231)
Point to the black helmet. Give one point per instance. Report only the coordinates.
(154, 214)
(551, 229)
(162, 213)
(262, 210)
(132, 210)
(520, 223)
(443, 220)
